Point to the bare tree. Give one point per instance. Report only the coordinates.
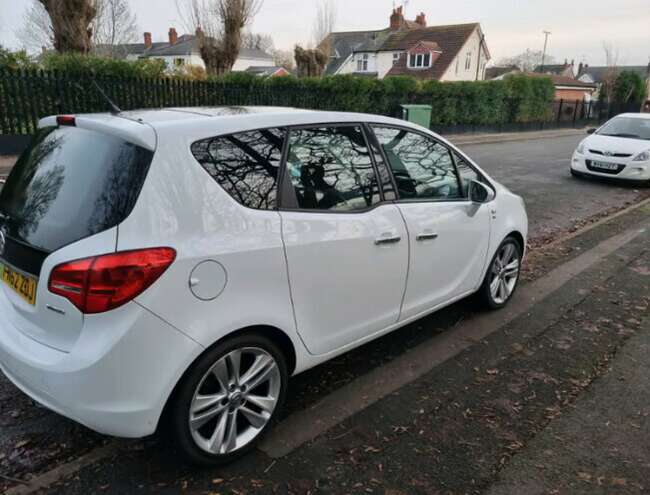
(325, 21)
(36, 30)
(257, 41)
(612, 55)
(218, 25)
(310, 63)
(72, 24)
(526, 61)
(113, 24)
(284, 58)
(116, 24)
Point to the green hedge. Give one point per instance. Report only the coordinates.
(66, 87)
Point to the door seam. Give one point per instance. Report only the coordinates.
(408, 262)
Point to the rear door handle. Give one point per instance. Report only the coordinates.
(387, 239)
(428, 236)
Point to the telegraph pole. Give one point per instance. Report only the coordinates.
(546, 35)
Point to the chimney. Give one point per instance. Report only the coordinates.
(421, 19)
(580, 67)
(173, 36)
(397, 19)
(147, 41)
(199, 32)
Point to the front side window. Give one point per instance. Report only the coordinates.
(246, 165)
(422, 167)
(466, 173)
(468, 61)
(331, 170)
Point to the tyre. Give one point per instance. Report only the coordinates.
(576, 174)
(503, 275)
(228, 400)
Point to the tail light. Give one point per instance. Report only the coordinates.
(102, 283)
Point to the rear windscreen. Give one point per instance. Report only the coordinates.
(70, 184)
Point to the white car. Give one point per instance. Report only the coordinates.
(181, 264)
(619, 149)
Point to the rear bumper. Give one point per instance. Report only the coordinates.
(115, 380)
(633, 171)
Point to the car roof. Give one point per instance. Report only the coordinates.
(193, 123)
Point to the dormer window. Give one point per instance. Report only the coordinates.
(420, 60)
(423, 55)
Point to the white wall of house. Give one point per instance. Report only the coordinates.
(382, 62)
(470, 58)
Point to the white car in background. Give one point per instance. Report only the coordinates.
(181, 264)
(619, 149)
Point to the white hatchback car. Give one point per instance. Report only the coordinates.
(183, 263)
(619, 149)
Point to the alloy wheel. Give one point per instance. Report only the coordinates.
(234, 400)
(504, 273)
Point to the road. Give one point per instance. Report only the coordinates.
(538, 170)
(492, 398)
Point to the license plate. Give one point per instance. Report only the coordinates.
(604, 166)
(23, 285)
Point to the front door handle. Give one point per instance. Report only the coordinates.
(427, 236)
(387, 239)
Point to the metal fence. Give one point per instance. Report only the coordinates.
(27, 96)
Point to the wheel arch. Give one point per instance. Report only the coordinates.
(276, 335)
(519, 237)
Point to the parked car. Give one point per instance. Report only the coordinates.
(179, 265)
(619, 149)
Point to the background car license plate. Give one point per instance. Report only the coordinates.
(605, 166)
(23, 285)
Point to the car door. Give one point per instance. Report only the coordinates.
(448, 234)
(346, 249)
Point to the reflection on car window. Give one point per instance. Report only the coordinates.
(422, 167)
(246, 165)
(331, 169)
(71, 183)
(627, 127)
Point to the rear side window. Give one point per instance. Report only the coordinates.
(331, 169)
(246, 165)
(71, 183)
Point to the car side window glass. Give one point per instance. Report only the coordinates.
(331, 170)
(467, 173)
(422, 167)
(246, 165)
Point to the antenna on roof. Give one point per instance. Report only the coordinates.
(114, 108)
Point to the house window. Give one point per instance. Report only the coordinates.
(420, 60)
(468, 61)
(396, 56)
(362, 63)
(179, 62)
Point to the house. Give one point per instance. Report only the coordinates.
(598, 75)
(566, 69)
(410, 48)
(500, 72)
(272, 71)
(568, 88)
(184, 50)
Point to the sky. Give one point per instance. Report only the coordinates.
(578, 27)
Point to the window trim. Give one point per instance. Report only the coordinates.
(452, 149)
(417, 57)
(290, 190)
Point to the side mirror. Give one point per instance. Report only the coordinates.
(480, 193)
(592, 130)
